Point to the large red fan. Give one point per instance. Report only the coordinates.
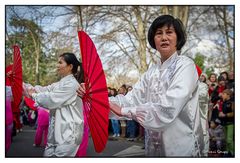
(14, 77)
(95, 101)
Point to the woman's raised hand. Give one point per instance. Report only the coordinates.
(81, 90)
(30, 91)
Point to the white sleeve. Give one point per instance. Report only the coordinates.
(37, 88)
(26, 86)
(157, 115)
(57, 97)
(137, 96)
(48, 88)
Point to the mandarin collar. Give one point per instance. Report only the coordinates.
(67, 77)
(168, 62)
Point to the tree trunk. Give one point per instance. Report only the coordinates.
(36, 51)
(37, 65)
(181, 12)
(79, 17)
(142, 41)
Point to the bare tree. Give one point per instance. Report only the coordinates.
(120, 32)
(213, 24)
(125, 33)
(224, 16)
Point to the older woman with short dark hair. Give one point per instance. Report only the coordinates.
(165, 100)
(169, 21)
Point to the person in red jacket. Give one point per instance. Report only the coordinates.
(216, 97)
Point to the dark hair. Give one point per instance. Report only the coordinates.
(115, 92)
(224, 72)
(221, 78)
(228, 92)
(205, 78)
(124, 86)
(169, 21)
(77, 69)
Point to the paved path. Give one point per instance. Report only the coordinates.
(22, 146)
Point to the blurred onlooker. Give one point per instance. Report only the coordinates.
(227, 118)
(203, 78)
(123, 90)
(225, 75)
(212, 83)
(113, 92)
(132, 125)
(231, 82)
(217, 138)
(24, 114)
(216, 97)
(114, 122)
(217, 93)
(138, 127)
(131, 130)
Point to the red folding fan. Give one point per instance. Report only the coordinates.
(95, 101)
(30, 103)
(14, 77)
(198, 70)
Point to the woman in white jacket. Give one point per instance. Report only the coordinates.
(165, 100)
(203, 104)
(66, 119)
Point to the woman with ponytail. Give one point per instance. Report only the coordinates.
(66, 115)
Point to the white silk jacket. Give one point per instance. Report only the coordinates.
(66, 117)
(165, 102)
(203, 104)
